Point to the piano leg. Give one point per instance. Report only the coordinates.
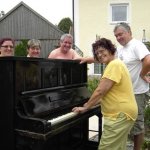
(100, 123)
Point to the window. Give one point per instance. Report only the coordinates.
(98, 68)
(119, 12)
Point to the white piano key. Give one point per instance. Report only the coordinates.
(62, 118)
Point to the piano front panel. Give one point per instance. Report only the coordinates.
(50, 75)
(46, 74)
(40, 94)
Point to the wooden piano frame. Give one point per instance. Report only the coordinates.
(23, 128)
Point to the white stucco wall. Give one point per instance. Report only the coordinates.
(92, 17)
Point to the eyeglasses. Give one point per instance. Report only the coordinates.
(99, 52)
(7, 46)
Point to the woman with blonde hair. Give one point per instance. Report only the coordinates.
(33, 48)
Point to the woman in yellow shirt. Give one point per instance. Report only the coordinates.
(116, 97)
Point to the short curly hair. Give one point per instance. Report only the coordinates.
(105, 43)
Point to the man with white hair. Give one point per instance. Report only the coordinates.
(65, 50)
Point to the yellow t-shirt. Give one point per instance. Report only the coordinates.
(121, 97)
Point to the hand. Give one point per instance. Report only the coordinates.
(88, 60)
(146, 78)
(82, 60)
(85, 104)
(79, 109)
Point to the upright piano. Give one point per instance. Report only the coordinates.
(37, 97)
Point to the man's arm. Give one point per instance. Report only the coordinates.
(145, 68)
(88, 60)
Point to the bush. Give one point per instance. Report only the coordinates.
(21, 48)
(65, 24)
(147, 45)
(146, 145)
(92, 84)
(147, 116)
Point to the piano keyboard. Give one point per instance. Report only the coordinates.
(62, 118)
(67, 116)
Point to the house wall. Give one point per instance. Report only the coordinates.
(139, 18)
(92, 17)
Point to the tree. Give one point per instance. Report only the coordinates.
(21, 49)
(65, 24)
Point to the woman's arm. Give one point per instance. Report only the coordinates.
(104, 86)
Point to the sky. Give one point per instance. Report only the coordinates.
(52, 10)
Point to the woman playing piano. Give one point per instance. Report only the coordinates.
(115, 95)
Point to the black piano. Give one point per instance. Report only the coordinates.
(37, 96)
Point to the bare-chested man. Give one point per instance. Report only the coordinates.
(65, 50)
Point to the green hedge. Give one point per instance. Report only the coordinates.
(92, 84)
(21, 48)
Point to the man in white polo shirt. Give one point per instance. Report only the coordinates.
(137, 59)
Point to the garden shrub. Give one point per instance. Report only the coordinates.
(92, 84)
